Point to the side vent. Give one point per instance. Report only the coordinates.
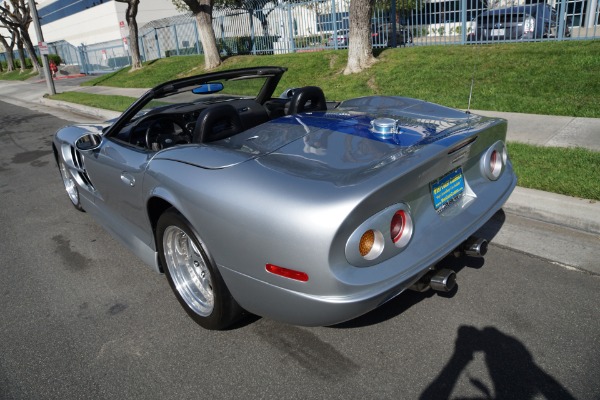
(80, 167)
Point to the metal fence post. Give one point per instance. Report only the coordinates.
(463, 17)
(291, 44)
(82, 59)
(252, 38)
(561, 20)
(197, 37)
(141, 45)
(334, 24)
(157, 42)
(392, 17)
(176, 39)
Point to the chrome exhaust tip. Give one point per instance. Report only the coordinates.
(475, 247)
(443, 280)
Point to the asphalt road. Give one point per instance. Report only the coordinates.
(82, 318)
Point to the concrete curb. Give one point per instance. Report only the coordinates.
(81, 109)
(572, 212)
(57, 78)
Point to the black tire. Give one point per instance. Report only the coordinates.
(194, 278)
(70, 185)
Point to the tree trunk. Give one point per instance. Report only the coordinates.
(360, 48)
(202, 10)
(31, 51)
(21, 54)
(8, 51)
(212, 58)
(134, 45)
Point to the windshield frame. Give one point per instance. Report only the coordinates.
(273, 75)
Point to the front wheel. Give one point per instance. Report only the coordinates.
(196, 282)
(70, 185)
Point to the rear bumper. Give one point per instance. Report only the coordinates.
(298, 308)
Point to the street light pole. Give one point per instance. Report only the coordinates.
(38, 32)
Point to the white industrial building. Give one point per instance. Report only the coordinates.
(94, 21)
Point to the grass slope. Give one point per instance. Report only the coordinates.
(551, 78)
(569, 171)
(17, 75)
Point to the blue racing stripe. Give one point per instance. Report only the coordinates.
(360, 126)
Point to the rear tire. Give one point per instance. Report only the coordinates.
(192, 275)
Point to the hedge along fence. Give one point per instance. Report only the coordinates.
(242, 45)
(51, 57)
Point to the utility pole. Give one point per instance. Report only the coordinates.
(38, 32)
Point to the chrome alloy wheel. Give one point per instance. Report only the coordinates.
(189, 271)
(69, 183)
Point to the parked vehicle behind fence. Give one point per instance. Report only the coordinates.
(531, 21)
(381, 36)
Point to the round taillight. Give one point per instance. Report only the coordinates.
(397, 225)
(401, 228)
(495, 164)
(493, 161)
(366, 242)
(371, 244)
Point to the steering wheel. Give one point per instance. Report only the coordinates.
(163, 132)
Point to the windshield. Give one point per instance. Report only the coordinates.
(247, 87)
(188, 96)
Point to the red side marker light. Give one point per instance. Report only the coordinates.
(287, 273)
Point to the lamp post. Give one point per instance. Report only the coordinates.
(38, 32)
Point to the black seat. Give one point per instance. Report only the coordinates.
(308, 98)
(251, 113)
(217, 122)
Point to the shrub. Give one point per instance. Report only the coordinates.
(54, 57)
(185, 51)
(118, 62)
(308, 41)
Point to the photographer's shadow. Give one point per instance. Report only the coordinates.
(511, 367)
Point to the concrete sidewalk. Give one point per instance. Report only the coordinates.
(580, 215)
(549, 130)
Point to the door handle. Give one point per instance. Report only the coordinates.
(127, 179)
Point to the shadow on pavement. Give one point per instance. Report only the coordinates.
(513, 372)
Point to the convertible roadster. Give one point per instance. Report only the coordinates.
(295, 208)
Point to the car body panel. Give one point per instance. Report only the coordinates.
(292, 191)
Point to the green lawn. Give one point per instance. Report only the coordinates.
(17, 75)
(572, 172)
(552, 78)
(112, 102)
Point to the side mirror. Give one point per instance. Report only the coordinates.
(89, 141)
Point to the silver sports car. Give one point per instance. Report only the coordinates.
(295, 208)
